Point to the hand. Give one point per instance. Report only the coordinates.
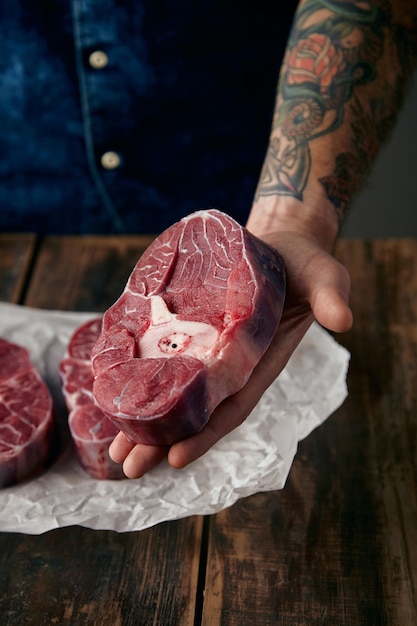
(317, 288)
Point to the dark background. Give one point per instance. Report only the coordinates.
(387, 207)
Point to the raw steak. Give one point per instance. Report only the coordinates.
(91, 431)
(198, 311)
(26, 416)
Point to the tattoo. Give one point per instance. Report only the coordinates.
(333, 49)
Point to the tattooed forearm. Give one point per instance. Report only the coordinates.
(335, 92)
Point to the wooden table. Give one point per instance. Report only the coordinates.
(338, 545)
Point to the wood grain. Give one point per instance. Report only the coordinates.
(384, 349)
(16, 254)
(82, 577)
(83, 273)
(338, 545)
(74, 575)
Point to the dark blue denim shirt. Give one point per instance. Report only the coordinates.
(181, 95)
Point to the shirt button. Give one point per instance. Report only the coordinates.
(98, 59)
(110, 160)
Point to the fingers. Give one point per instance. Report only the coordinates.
(120, 448)
(137, 458)
(143, 458)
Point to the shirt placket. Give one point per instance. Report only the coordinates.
(94, 40)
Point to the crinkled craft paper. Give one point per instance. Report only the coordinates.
(308, 391)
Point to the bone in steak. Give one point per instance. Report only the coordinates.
(26, 416)
(91, 431)
(198, 312)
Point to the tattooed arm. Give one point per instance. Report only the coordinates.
(341, 85)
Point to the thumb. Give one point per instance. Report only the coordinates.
(330, 297)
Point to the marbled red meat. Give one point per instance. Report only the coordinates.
(26, 416)
(91, 431)
(198, 312)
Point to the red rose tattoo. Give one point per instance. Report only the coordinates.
(315, 60)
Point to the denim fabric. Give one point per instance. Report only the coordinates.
(185, 101)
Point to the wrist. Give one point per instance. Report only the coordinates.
(314, 218)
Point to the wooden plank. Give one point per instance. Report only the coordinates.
(83, 273)
(338, 545)
(385, 298)
(77, 575)
(16, 253)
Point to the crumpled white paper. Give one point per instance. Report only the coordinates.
(255, 457)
